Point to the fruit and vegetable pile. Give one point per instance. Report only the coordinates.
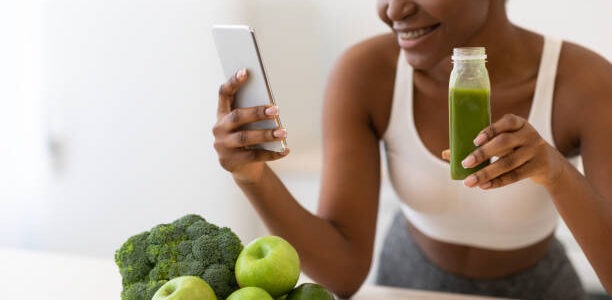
(192, 259)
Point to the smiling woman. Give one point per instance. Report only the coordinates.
(492, 234)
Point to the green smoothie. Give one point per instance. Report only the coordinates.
(469, 114)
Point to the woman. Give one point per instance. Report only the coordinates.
(491, 234)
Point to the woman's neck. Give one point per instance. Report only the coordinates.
(513, 53)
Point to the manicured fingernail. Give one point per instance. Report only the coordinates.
(241, 74)
(280, 133)
(272, 111)
(470, 181)
(481, 138)
(485, 185)
(468, 161)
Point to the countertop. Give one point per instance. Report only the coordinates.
(27, 274)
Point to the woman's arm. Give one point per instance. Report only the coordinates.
(585, 202)
(336, 244)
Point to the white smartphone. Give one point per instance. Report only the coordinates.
(237, 49)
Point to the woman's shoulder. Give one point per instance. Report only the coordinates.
(583, 89)
(371, 56)
(367, 68)
(381, 44)
(583, 73)
(363, 79)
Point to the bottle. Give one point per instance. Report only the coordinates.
(469, 106)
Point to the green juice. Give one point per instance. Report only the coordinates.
(469, 112)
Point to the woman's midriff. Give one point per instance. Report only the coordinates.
(479, 263)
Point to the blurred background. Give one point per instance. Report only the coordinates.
(106, 110)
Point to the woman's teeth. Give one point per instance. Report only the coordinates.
(411, 35)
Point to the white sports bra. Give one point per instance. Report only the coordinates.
(506, 218)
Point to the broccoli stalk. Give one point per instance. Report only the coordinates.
(188, 246)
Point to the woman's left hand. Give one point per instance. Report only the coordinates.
(522, 153)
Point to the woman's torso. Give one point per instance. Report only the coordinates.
(431, 122)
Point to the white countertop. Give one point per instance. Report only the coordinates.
(50, 276)
(26, 274)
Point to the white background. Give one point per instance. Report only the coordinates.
(106, 109)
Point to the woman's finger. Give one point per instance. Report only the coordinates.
(503, 168)
(246, 138)
(522, 172)
(499, 146)
(446, 154)
(241, 116)
(227, 91)
(508, 123)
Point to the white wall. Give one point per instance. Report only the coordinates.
(107, 125)
(584, 22)
(22, 149)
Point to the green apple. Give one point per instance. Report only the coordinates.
(270, 263)
(185, 288)
(310, 291)
(250, 293)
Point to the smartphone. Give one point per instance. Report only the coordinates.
(237, 49)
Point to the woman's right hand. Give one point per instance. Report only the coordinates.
(232, 143)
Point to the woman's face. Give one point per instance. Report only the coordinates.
(428, 30)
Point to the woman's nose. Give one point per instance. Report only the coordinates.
(398, 10)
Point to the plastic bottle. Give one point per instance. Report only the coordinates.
(469, 106)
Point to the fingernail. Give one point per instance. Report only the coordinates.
(468, 161)
(481, 138)
(241, 74)
(272, 111)
(280, 133)
(470, 181)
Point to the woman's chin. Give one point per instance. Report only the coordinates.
(425, 61)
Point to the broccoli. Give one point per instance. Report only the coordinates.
(217, 276)
(141, 290)
(187, 246)
(131, 259)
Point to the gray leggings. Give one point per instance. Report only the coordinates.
(401, 264)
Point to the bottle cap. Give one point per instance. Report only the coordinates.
(469, 53)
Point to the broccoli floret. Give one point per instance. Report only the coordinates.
(206, 250)
(191, 268)
(201, 228)
(153, 286)
(185, 250)
(141, 290)
(134, 291)
(156, 253)
(162, 242)
(230, 244)
(221, 279)
(132, 260)
(187, 220)
(187, 246)
(161, 271)
(165, 234)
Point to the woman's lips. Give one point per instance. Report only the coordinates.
(408, 38)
